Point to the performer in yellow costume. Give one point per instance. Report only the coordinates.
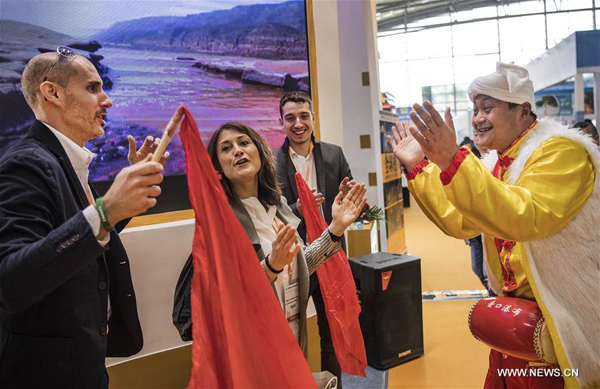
(535, 199)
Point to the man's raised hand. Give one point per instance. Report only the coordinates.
(148, 147)
(405, 147)
(134, 190)
(436, 136)
(346, 185)
(319, 198)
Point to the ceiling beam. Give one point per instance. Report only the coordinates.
(395, 14)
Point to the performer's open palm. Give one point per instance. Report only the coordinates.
(405, 146)
(436, 136)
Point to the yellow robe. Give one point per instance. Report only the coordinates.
(553, 186)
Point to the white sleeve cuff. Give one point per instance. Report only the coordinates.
(91, 215)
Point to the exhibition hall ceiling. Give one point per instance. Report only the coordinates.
(401, 15)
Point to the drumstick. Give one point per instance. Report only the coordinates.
(168, 134)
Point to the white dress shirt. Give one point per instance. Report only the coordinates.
(263, 224)
(306, 167)
(80, 158)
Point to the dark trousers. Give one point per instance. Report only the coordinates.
(477, 262)
(105, 380)
(477, 259)
(329, 361)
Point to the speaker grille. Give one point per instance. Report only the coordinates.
(396, 328)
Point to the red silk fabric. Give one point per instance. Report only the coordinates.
(338, 290)
(241, 336)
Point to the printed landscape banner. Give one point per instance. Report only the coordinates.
(226, 60)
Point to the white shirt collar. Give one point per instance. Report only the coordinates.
(80, 157)
(296, 155)
(257, 210)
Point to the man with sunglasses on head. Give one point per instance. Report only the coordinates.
(66, 295)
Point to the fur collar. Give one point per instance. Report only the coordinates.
(564, 266)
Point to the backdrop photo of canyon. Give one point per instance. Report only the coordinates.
(229, 64)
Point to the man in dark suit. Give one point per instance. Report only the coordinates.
(66, 296)
(326, 171)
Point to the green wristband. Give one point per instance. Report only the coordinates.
(102, 213)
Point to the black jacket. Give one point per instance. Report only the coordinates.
(54, 276)
(331, 167)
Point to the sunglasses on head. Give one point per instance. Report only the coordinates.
(62, 51)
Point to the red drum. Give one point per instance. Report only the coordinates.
(512, 326)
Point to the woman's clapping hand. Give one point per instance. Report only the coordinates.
(347, 208)
(284, 248)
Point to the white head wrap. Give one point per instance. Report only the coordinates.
(510, 83)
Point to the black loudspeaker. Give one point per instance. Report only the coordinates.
(389, 291)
